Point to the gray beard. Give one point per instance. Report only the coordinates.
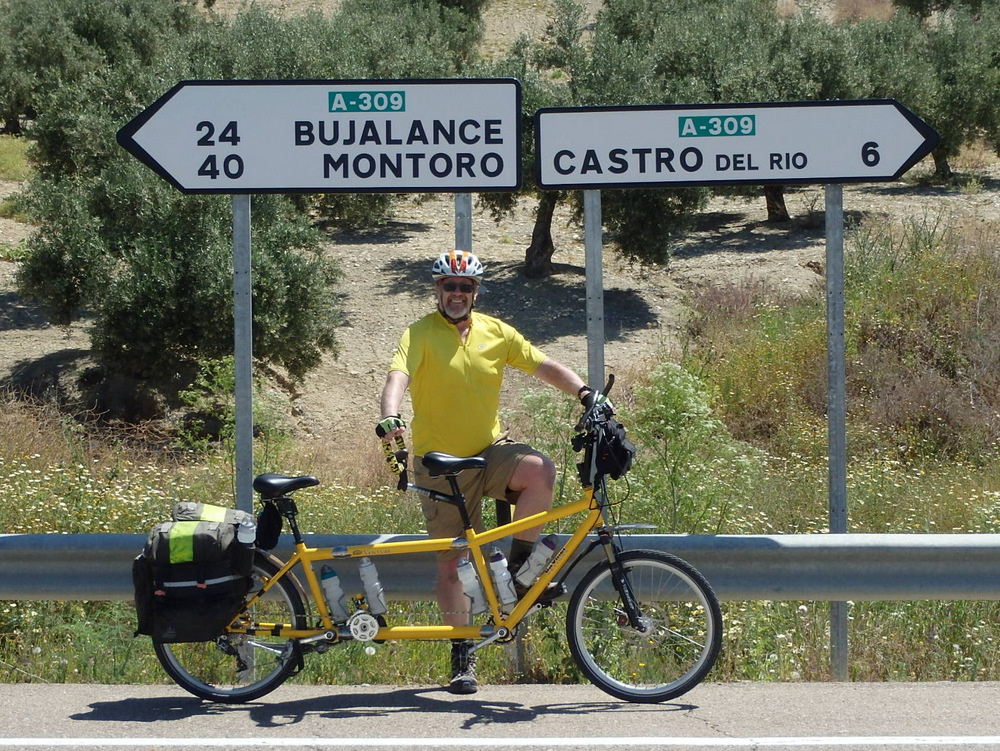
(453, 321)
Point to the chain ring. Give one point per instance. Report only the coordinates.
(363, 626)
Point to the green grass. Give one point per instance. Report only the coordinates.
(13, 158)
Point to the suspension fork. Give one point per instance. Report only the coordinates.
(622, 584)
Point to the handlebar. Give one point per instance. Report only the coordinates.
(594, 403)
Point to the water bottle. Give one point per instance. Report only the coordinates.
(470, 585)
(242, 551)
(246, 533)
(334, 593)
(502, 578)
(373, 589)
(537, 561)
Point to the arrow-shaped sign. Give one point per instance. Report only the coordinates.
(802, 142)
(459, 135)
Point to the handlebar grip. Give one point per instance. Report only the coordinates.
(589, 405)
(397, 461)
(404, 479)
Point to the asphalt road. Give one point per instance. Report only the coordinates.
(816, 716)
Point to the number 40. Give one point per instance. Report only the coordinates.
(232, 164)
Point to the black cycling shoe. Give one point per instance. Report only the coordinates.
(545, 599)
(463, 669)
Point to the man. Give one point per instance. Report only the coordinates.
(452, 361)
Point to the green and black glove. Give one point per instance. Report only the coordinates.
(388, 424)
(587, 399)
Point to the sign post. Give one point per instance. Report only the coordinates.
(398, 136)
(593, 243)
(590, 148)
(243, 351)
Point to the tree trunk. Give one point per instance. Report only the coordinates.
(11, 126)
(942, 170)
(538, 256)
(774, 197)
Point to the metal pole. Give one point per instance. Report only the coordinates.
(243, 351)
(463, 221)
(593, 243)
(836, 398)
(836, 408)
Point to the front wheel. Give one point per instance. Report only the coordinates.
(673, 646)
(237, 668)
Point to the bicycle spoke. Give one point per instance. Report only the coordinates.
(674, 651)
(241, 668)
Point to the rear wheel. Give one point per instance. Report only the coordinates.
(677, 639)
(238, 668)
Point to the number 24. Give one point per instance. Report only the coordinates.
(228, 135)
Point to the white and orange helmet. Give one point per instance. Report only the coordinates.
(458, 263)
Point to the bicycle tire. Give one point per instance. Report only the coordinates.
(681, 641)
(209, 670)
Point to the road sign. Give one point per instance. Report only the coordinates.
(397, 136)
(803, 142)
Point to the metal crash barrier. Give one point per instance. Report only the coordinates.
(819, 567)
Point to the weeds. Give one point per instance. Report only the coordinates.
(732, 440)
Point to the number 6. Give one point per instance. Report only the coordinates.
(870, 155)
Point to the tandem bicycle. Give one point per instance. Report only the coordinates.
(642, 625)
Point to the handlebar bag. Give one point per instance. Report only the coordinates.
(615, 452)
(191, 578)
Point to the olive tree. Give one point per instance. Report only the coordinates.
(946, 72)
(677, 52)
(152, 267)
(48, 44)
(531, 64)
(966, 103)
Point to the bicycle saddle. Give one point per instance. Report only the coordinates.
(439, 463)
(273, 486)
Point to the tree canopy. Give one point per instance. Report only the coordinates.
(153, 267)
(705, 51)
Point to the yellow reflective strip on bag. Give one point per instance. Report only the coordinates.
(182, 541)
(210, 513)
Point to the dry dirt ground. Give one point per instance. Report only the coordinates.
(386, 283)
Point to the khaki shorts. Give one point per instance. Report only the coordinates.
(444, 519)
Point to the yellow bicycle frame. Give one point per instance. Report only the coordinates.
(473, 541)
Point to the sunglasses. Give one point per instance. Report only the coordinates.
(465, 288)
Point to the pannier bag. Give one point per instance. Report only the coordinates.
(189, 511)
(192, 574)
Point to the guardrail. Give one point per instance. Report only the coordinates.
(820, 567)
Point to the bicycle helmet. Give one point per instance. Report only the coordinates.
(458, 263)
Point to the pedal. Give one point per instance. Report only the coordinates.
(550, 593)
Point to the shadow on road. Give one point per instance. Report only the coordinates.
(391, 703)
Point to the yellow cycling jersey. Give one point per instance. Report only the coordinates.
(455, 386)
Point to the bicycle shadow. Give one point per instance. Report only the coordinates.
(396, 704)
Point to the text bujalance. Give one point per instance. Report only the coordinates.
(411, 163)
